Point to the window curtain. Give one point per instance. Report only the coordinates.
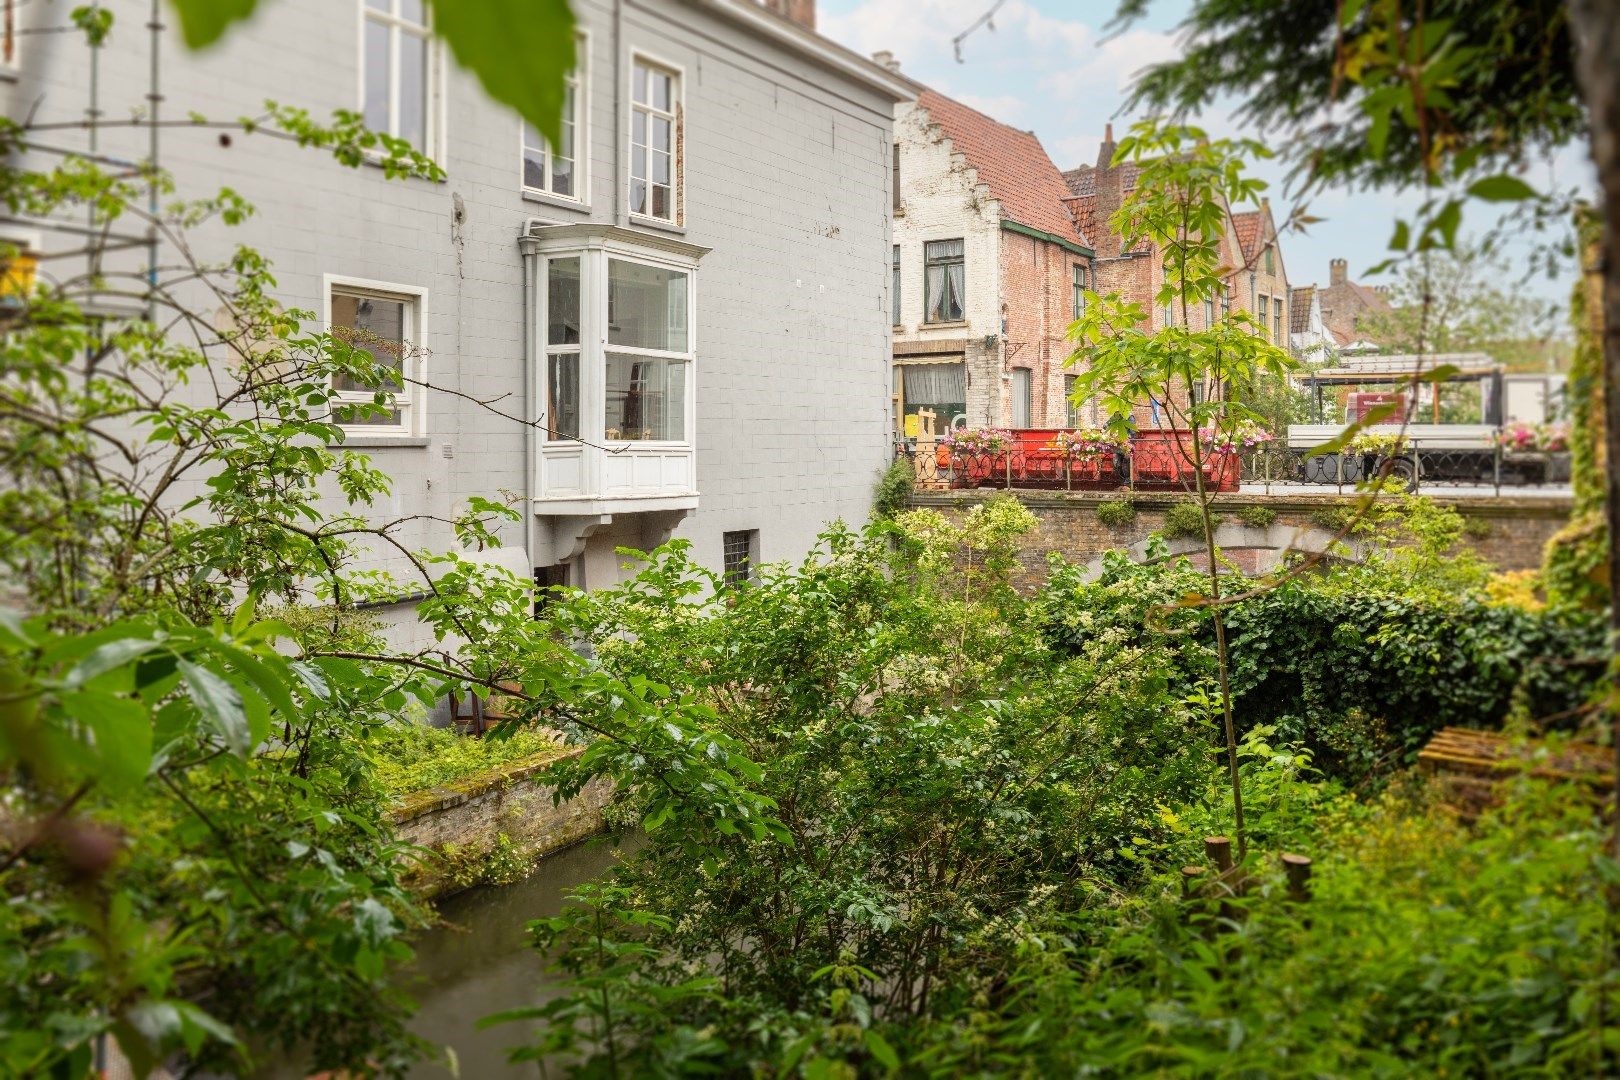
(935, 384)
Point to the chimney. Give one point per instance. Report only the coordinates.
(885, 59)
(1338, 271)
(1109, 196)
(802, 12)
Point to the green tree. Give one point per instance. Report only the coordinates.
(1186, 182)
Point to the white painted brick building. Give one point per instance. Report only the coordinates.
(752, 293)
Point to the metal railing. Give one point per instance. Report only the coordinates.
(1166, 465)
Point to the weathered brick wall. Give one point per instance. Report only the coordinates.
(465, 820)
(1036, 292)
(1508, 532)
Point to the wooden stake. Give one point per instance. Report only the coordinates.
(1299, 877)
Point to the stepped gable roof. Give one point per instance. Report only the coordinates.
(1012, 163)
(1299, 308)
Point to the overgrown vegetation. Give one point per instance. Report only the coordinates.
(893, 489)
(1257, 517)
(1185, 520)
(409, 757)
(1116, 513)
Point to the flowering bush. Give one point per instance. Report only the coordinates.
(1525, 438)
(978, 440)
(1378, 442)
(1087, 443)
(1237, 439)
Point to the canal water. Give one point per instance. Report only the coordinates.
(480, 962)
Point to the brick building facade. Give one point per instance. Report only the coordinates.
(987, 269)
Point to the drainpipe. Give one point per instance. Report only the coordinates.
(620, 100)
(531, 265)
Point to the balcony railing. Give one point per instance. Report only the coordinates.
(1162, 461)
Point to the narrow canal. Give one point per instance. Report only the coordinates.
(480, 963)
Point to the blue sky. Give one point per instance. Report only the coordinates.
(1052, 68)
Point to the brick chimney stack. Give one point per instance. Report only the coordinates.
(1109, 193)
(802, 12)
(1338, 271)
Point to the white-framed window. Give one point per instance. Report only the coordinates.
(1077, 291)
(1265, 314)
(564, 308)
(388, 322)
(655, 141)
(399, 71)
(894, 285)
(648, 353)
(560, 171)
(944, 280)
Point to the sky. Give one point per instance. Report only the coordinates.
(1054, 68)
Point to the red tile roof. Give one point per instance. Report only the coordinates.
(1011, 162)
(1083, 180)
(1247, 227)
(1299, 308)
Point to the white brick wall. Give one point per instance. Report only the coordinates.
(786, 180)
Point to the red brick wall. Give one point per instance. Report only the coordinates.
(1035, 289)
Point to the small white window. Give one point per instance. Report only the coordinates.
(397, 71)
(560, 171)
(655, 165)
(386, 323)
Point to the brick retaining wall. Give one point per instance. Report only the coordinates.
(461, 822)
(1508, 531)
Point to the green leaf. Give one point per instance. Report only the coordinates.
(114, 654)
(220, 705)
(1439, 373)
(203, 21)
(1402, 237)
(880, 1049)
(122, 734)
(485, 36)
(1502, 188)
(1342, 439)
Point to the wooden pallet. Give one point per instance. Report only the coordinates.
(1471, 764)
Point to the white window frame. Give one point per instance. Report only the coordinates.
(677, 119)
(688, 356)
(578, 81)
(433, 119)
(410, 401)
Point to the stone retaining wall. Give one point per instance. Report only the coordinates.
(462, 824)
(1509, 532)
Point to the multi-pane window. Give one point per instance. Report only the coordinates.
(1023, 394)
(1077, 291)
(1277, 321)
(1265, 312)
(1271, 263)
(653, 135)
(1226, 300)
(558, 170)
(894, 285)
(648, 353)
(397, 70)
(384, 328)
(1209, 312)
(944, 280)
(739, 553)
(1169, 305)
(894, 179)
(562, 349)
(1072, 410)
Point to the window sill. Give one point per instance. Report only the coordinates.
(657, 223)
(378, 442)
(956, 324)
(562, 202)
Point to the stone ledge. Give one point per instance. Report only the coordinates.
(432, 800)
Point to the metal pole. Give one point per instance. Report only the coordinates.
(154, 105)
(1496, 467)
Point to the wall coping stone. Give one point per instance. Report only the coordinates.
(420, 803)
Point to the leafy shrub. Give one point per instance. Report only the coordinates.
(1333, 518)
(1186, 519)
(1477, 528)
(1427, 949)
(1116, 513)
(894, 487)
(1257, 517)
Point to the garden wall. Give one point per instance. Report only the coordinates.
(463, 824)
(1507, 531)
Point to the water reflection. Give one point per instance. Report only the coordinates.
(481, 963)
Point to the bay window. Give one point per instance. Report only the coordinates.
(613, 374)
